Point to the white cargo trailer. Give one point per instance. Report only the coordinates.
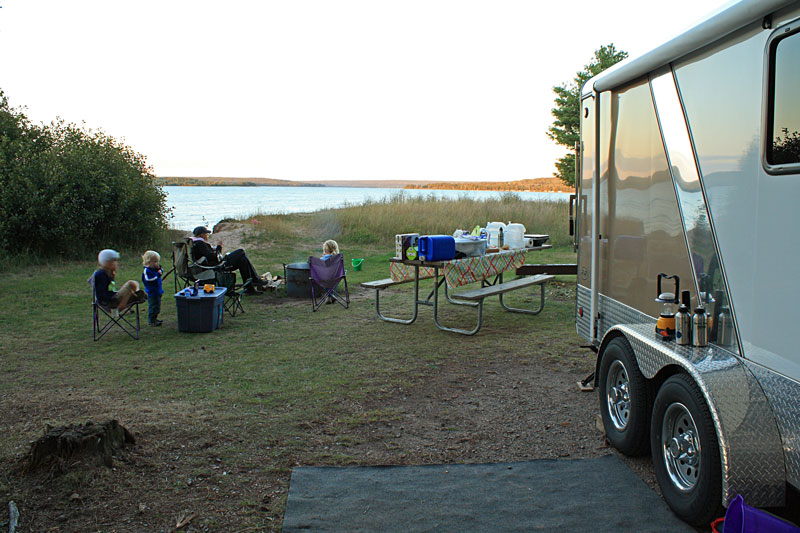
(689, 165)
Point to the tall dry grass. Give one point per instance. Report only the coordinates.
(380, 220)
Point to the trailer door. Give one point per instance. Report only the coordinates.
(585, 208)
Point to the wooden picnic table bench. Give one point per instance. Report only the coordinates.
(380, 284)
(502, 288)
(569, 269)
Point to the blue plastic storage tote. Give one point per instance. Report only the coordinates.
(201, 313)
(437, 248)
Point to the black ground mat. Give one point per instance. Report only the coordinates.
(600, 494)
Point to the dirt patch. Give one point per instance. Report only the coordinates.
(496, 411)
(503, 409)
(232, 234)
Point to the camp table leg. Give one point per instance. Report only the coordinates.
(428, 300)
(436, 311)
(517, 310)
(454, 301)
(416, 303)
(447, 295)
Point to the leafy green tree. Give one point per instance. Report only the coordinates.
(68, 191)
(566, 127)
(787, 149)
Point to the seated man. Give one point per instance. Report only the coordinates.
(237, 259)
(105, 283)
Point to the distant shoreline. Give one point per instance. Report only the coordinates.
(179, 181)
(532, 185)
(529, 185)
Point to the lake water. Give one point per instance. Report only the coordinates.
(195, 206)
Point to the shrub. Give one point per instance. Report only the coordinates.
(66, 190)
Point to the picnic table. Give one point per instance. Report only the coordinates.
(487, 269)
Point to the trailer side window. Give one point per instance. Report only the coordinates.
(783, 119)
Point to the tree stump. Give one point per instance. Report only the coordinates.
(90, 440)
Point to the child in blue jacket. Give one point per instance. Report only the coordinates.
(151, 277)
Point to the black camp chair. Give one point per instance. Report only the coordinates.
(234, 292)
(326, 275)
(105, 319)
(221, 275)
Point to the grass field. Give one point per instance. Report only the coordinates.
(221, 418)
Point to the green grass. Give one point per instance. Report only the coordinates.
(378, 221)
(264, 392)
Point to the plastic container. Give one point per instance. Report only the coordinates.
(437, 248)
(515, 235)
(493, 231)
(201, 313)
(357, 263)
(471, 247)
(741, 518)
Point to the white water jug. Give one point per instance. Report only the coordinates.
(515, 235)
(492, 232)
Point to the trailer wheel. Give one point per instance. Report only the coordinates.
(685, 451)
(623, 398)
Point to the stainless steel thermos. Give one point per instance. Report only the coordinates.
(700, 327)
(724, 326)
(683, 321)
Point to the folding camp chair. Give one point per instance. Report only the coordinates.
(180, 264)
(233, 296)
(220, 275)
(110, 318)
(326, 276)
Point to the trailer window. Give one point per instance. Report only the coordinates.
(783, 121)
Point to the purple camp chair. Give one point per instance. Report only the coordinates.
(325, 278)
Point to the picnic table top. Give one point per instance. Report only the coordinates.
(417, 262)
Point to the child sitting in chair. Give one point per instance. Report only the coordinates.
(105, 283)
(329, 248)
(151, 277)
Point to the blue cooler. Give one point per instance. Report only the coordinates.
(437, 248)
(201, 313)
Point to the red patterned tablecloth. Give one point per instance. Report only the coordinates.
(464, 271)
(403, 272)
(471, 269)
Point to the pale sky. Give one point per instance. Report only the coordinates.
(320, 89)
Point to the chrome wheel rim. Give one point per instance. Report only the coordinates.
(618, 399)
(680, 447)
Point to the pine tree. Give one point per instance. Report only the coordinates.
(566, 127)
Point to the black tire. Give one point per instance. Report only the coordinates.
(690, 476)
(624, 399)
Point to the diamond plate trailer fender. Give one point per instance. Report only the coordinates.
(750, 447)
